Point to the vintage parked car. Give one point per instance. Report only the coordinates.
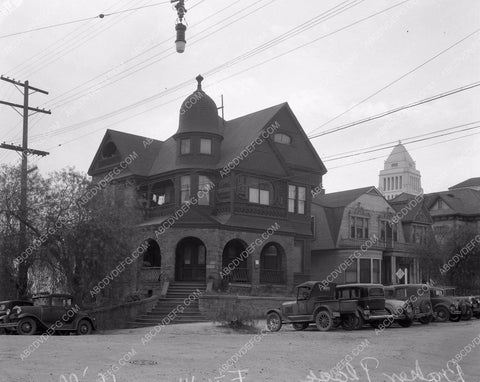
(401, 310)
(369, 303)
(6, 308)
(444, 307)
(330, 306)
(468, 301)
(419, 296)
(51, 313)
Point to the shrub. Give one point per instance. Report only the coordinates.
(232, 313)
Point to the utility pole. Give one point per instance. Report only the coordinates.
(23, 213)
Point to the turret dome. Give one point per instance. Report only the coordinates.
(199, 113)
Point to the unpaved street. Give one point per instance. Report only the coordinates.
(195, 352)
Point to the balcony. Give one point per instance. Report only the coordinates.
(380, 245)
(239, 275)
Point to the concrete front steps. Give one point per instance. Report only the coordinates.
(176, 295)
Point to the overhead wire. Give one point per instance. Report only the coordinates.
(99, 16)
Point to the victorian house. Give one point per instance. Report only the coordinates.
(219, 195)
(360, 237)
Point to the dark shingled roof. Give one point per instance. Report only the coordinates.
(472, 182)
(462, 201)
(417, 213)
(329, 208)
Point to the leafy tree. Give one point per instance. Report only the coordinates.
(76, 244)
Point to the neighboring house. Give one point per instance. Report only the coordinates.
(399, 174)
(213, 189)
(472, 183)
(456, 208)
(360, 222)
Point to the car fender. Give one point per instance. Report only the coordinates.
(29, 315)
(441, 304)
(84, 317)
(322, 307)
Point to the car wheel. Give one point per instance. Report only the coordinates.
(300, 325)
(324, 321)
(442, 314)
(405, 323)
(27, 326)
(468, 314)
(84, 327)
(274, 322)
(455, 318)
(425, 320)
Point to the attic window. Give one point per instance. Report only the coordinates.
(282, 138)
(109, 150)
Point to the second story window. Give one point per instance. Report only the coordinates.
(419, 234)
(296, 199)
(185, 146)
(205, 146)
(204, 185)
(358, 227)
(388, 231)
(257, 195)
(184, 188)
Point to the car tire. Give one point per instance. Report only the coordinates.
(468, 314)
(274, 322)
(324, 321)
(27, 326)
(442, 314)
(455, 318)
(425, 320)
(405, 323)
(300, 325)
(84, 327)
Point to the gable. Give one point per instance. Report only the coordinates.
(299, 153)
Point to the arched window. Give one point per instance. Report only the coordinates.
(272, 264)
(152, 256)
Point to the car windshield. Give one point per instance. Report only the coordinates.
(376, 292)
(449, 292)
(39, 301)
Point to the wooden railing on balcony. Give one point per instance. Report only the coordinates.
(378, 244)
(272, 276)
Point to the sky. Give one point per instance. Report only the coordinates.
(105, 65)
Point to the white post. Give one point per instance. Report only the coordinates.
(406, 275)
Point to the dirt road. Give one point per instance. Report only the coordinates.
(196, 353)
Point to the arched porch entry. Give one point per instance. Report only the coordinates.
(190, 260)
(152, 262)
(273, 264)
(235, 263)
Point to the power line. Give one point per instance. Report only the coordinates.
(163, 93)
(100, 16)
(392, 111)
(395, 141)
(414, 149)
(399, 78)
(404, 143)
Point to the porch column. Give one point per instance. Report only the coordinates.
(393, 268)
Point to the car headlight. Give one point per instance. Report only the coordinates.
(453, 308)
(8, 312)
(17, 309)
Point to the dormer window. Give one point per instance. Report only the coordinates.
(109, 150)
(282, 138)
(185, 146)
(205, 146)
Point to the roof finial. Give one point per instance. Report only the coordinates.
(199, 80)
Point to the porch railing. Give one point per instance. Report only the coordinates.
(272, 276)
(238, 275)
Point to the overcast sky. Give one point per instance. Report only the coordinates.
(320, 80)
